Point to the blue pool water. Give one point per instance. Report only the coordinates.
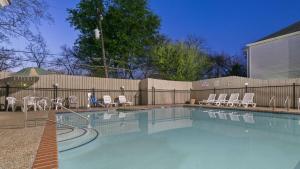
(188, 138)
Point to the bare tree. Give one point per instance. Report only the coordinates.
(8, 60)
(38, 51)
(196, 42)
(18, 19)
(69, 62)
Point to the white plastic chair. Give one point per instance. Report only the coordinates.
(29, 102)
(42, 104)
(11, 102)
(123, 101)
(73, 100)
(58, 102)
(107, 101)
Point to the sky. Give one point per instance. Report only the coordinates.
(225, 25)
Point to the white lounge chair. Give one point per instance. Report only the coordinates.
(247, 100)
(107, 101)
(11, 102)
(233, 99)
(210, 100)
(221, 100)
(123, 101)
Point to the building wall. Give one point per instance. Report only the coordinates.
(275, 59)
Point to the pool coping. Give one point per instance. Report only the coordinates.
(255, 109)
(47, 154)
(149, 107)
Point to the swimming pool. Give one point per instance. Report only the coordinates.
(188, 138)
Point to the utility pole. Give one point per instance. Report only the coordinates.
(99, 33)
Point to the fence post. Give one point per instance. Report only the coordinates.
(53, 91)
(6, 95)
(174, 101)
(294, 95)
(152, 95)
(140, 96)
(214, 90)
(55, 86)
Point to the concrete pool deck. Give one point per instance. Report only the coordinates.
(18, 144)
(30, 147)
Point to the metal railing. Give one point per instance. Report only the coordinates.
(287, 103)
(74, 113)
(138, 97)
(273, 100)
(262, 94)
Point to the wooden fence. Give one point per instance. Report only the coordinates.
(153, 91)
(140, 92)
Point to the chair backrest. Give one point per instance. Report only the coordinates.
(222, 97)
(106, 99)
(11, 100)
(248, 98)
(211, 97)
(233, 97)
(72, 99)
(93, 99)
(43, 101)
(29, 100)
(59, 100)
(122, 99)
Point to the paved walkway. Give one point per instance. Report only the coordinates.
(19, 146)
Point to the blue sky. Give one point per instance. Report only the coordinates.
(225, 25)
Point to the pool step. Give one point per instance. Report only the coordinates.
(75, 142)
(61, 130)
(69, 135)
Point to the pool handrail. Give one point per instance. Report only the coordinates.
(272, 100)
(287, 103)
(73, 112)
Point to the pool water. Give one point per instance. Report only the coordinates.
(189, 138)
